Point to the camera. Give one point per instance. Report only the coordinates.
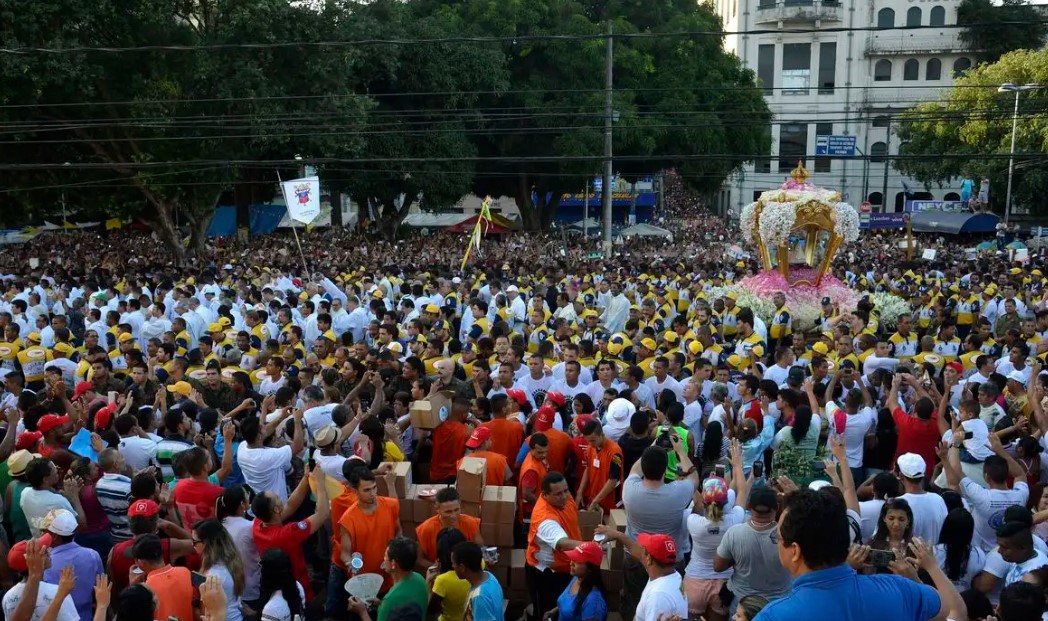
(663, 440)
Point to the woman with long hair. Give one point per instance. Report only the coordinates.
(231, 509)
(881, 452)
(281, 596)
(894, 530)
(749, 607)
(220, 557)
(712, 450)
(802, 433)
(583, 599)
(447, 592)
(707, 525)
(959, 559)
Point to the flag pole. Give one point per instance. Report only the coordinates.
(294, 229)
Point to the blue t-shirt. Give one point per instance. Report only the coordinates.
(485, 600)
(840, 594)
(236, 477)
(594, 606)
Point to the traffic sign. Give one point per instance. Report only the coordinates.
(840, 146)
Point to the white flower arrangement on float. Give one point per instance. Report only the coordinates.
(847, 222)
(777, 220)
(890, 307)
(748, 220)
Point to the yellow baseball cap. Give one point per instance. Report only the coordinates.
(180, 388)
(125, 337)
(648, 343)
(33, 336)
(820, 348)
(65, 348)
(215, 327)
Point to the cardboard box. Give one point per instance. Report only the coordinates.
(588, 521)
(499, 535)
(500, 504)
(617, 520)
(471, 509)
(409, 529)
(471, 479)
(616, 555)
(518, 559)
(500, 571)
(429, 412)
(613, 578)
(401, 480)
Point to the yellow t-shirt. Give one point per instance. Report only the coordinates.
(392, 452)
(455, 592)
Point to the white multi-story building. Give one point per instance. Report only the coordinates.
(852, 76)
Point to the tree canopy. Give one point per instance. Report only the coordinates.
(995, 28)
(155, 109)
(969, 133)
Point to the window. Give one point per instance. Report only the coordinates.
(766, 67)
(827, 67)
(911, 70)
(793, 145)
(937, 16)
(823, 164)
(874, 198)
(882, 71)
(934, 70)
(877, 152)
(886, 18)
(796, 68)
(766, 4)
(913, 16)
(762, 165)
(960, 66)
(799, 2)
(880, 121)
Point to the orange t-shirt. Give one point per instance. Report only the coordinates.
(174, 592)
(507, 435)
(603, 465)
(568, 518)
(449, 445)
(559, 447)
(370, 534)
(427, 533)
(339, 505)
(495, 465)
(532, 471)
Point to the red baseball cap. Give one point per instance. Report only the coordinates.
(544, 418)
(479, 436)
(662, 548)
(48, 422)
(16, 555)
(956, 366)
(27, 440)
(556, 397)
(581, 420)
(517, 395)
(80, 389)
(104, 415)
(586, 552)
(143, 508)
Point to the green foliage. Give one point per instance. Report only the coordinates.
(975, 123)
(998, 28)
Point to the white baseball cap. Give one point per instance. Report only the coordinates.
(512, 288)
(1017, 376)
(61, 522)
(911, 465)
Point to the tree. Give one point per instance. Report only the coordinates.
(160, 130)
(969, 133)
(680, 101)
(994, 29)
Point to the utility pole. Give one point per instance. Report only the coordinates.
(887, 162)
(606, 184)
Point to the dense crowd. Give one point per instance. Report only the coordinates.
(248, 438)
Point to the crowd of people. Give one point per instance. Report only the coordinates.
(221, 440)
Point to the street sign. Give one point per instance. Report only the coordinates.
(594, 255)
(840, 146)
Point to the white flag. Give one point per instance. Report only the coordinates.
(303, 198)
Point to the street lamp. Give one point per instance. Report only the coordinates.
(1008, 87)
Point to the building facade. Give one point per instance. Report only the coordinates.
(850, 77)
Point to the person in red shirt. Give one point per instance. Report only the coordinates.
(449, 443)
(603, 472)
(270, 531)
(144, 519)
(918, 433)
(195, 497)
(479, 443)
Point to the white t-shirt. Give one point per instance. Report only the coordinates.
(929, 512)
(548, 534)
(976, 562)
(45, 594)
(239, 530)
(987, 507)
(661, 598)
(315, 418)
(777, 374)
(870, 512)
(138, 452)
(269, 387)
(264, 468)
(276, 609)
(705, 537)
(232, 601)
(331, 465)
(998, 567)
(37, 503)
(856, 427)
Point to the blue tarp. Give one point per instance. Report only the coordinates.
(263, 218)
(954, 223)
(223, 223)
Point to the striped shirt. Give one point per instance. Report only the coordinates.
(166, 450)
(114, 494)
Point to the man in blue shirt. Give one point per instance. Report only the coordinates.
(485, 594)
(814, 539)
(86, 563)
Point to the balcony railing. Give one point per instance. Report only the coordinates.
(798, 11)
(906, 42)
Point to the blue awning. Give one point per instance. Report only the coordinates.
(953, 223)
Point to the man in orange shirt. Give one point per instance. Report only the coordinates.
(368, 526)
(449, 443)
(172, 586)
(479, 443)
(507, 434)
(554, 530)
(532, 471)
(603, 472)
(449, 515)
(335, 604)
(560, 456)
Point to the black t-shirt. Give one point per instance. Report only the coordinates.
(632, 447)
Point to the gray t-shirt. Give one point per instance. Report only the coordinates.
(658, 511)
(755, 557)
